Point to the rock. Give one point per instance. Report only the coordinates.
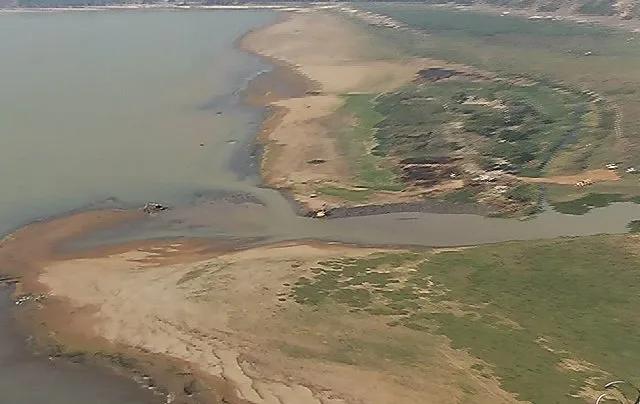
(153, 207)
(189, 388)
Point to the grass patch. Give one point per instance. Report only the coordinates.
(354, 195)
(524, 308)
(466, 195)
(583, 205)
(544, 51)
(521, 128)
(357, 140)
(634, 226)
(598, 7)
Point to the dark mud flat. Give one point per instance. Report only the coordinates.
(403, 207)
(29, 379)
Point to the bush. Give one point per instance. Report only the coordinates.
(523, 193)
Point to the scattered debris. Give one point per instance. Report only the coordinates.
(484, 178)
(153, 207)
(28, 298)
(584, 183)
(189, 388)
(8, 280)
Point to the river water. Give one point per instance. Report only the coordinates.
(119, 108)
(104, 109)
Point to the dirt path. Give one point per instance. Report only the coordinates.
(597, 175)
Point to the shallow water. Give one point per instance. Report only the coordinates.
(27, 379)
(102, 105)
(97, 105)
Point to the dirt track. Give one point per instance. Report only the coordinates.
(597, 175)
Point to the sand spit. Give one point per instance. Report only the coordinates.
(336, 58)
(215, 322)
(142, 302)
(228, 315)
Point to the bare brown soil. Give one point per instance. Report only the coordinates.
(597, 175)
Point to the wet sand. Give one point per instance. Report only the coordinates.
(80, 383)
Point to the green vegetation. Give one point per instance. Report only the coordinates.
(523, 193)
(598, 7)
(466, 195)
(634, 226)
(521, 126)
(583, 205)
(354, 195)
(547, 52)
(559, 314)
(550, 6)
(355, 134)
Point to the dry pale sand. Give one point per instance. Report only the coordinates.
(225, 315)
(337, 58)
